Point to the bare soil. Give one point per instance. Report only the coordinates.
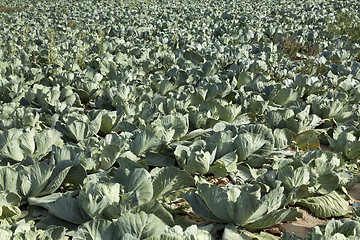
(302, 226)
(354, 192)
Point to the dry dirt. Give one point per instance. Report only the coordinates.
(354, 192)
(326, 148)
(302, 226)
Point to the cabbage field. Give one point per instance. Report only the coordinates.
(171, 120)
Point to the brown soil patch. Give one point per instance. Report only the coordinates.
(354, 192)
(302, 226)
(326, 148)
(221, 182)
(6, 9)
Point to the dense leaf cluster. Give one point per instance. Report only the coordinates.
(118, 116)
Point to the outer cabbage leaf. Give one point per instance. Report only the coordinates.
(41, 179)
(25, 117)
(292, 178)
(10, 145)
(95, 230)
(171, 127)
(102, 197)
(9, 207)
(17, 143)
(26, 230)
(253, 143)
(307, 140)
(328, 108)
(170, 179)
(346, 140)
(140, 225)
(330, 205)
(79, 127)
(243, 207)
(54, 98)
(283, 138)
(337, 229)
(143, 141)
(192, 232)
(194, 159)
(9, 179)
(303, 120)
(98, 198)
(64, 207)
(285, 96)
(37, 179)
(225, 165)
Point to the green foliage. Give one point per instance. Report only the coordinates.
(177, 119)
(346, 23)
